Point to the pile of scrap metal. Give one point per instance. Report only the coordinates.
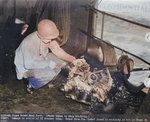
(84, 85)
(96, 88)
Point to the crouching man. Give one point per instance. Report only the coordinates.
(34, 61)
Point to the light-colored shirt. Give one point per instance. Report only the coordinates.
(27, 55)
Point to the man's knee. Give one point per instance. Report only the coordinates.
(50, 75)
(45, 74)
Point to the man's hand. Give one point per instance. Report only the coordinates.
(79, 62)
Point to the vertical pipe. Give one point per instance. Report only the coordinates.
(103, 15)
(90, 22)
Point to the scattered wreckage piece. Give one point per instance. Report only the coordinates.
(83, 85)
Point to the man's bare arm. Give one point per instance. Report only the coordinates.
(60, 53)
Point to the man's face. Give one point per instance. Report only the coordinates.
(45, 40)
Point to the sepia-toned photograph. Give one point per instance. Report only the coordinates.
(75, 60)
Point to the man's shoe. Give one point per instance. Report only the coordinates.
(30, 89)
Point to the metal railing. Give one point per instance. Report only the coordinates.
(114, 16)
